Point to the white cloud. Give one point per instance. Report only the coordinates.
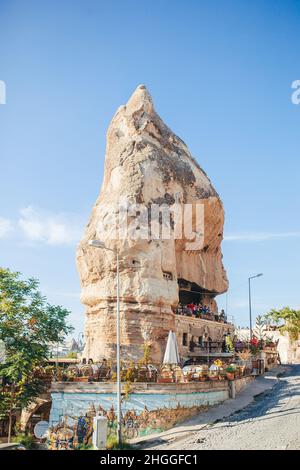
(52, 229)
(5, 227)
(70, 295)
(260, 236)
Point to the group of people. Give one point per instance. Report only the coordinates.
(94, 370)
(200, 311)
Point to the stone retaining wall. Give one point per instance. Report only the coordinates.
(240, 384)
(74, 399)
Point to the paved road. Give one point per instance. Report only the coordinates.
(272, 421)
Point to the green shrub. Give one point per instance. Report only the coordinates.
(27, 440)
(231, 369)
(85, 447)
(112, 443)
(71, 355)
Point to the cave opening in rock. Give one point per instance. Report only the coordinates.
(192, 293)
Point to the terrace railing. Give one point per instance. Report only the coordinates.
(208, 346)
(205, 316)
(230, 319)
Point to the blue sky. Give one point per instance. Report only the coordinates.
(220, 74)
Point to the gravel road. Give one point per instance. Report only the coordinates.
(272, 421)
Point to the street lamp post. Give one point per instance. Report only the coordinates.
(250, 307)
(119, 391)
(100, 244)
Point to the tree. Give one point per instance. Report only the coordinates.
(71, 355)
(259, 329)
(287, 320)
(28, 324)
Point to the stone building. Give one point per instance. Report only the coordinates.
(148, 166)
(288, 349)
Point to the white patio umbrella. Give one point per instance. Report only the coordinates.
(171, 354)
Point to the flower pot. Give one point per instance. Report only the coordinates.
(82, 379)
(164, 380)
(230, 375)
(214, 377)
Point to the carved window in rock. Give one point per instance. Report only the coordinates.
(135, 262)
(184, 339)
(167, 276)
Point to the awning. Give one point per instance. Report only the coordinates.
(219, 334)
(182, 325)
(208, 331)
(197, 330)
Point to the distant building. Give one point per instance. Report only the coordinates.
(65, 348)
(289, 351)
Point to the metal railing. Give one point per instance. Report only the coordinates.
(185, 311)
(230, 319)
(208, 346)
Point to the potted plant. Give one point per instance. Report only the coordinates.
(245, 361)
(222, 373)
(270, 343)
(203, 373)
(218, 363)
(213, 372)
(81, 379)
(219, 371)
(165, 375)
(230, 371)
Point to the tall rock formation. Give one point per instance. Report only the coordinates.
(146, 163)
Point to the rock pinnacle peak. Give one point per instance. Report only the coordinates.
(140, 98)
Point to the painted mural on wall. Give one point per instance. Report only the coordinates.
(73, 433)
(77, 404)
(71, 416)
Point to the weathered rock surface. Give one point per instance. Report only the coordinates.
(145, 163)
